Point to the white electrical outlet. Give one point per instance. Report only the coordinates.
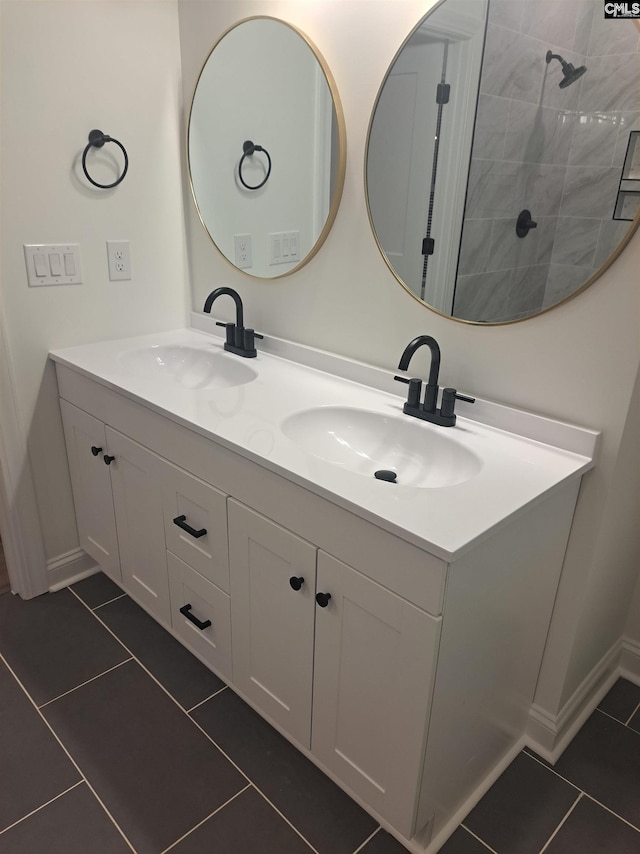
(119, 258)
(242, 247)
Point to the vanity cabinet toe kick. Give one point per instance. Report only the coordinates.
(334, 630)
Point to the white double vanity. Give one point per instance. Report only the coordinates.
(392, 631)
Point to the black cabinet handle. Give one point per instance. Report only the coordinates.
(95, 451)
(181, 522)
(323, 599)
(186, 610)
(108, 460)
(296, 582)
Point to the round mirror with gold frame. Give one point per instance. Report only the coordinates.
(502, 169)
(266, 147)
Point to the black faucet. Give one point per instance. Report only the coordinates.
(239, 340)
(428, 409)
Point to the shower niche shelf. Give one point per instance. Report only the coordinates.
(628, 198)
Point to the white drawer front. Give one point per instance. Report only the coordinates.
(211, 643)
(191, 508)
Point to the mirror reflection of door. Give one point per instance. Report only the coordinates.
(401, 156)
(547, 132)
(419, 148)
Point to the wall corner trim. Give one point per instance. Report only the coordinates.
(70, 567)
(549, 735)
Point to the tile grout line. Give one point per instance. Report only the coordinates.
(475, 836)
(586, 794)
(275, 808)
(196, 724)
(553, 771)
(611, 717)
(102, 604)
(609, 810)
(367, 840)
(86, 682)
(628, 721)
(200, 823)
(71, 759)
(558, 828)
(41, 807)
(617, 720)
(206, 699)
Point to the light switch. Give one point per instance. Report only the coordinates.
(53, 264)
(69, 264)
(40, 264)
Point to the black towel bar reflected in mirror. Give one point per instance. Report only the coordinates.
(248, 149)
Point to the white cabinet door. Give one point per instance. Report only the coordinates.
(374, 668)
(272, 622)
(91, 482)
(136, 479)
(196, 524)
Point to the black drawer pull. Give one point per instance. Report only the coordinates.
(186, 610)
(181, 522)
(323, 599)
(296, 582)
(108, 459)
(95, 451)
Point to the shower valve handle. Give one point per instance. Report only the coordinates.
(524, 223)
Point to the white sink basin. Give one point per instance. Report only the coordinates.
(189, 367)
(365, 442)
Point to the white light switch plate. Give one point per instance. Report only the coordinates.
(284, 247)
(53, 264)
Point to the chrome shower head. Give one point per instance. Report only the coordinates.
(569, 71)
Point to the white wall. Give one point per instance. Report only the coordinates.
(68, 67)
(578, 362)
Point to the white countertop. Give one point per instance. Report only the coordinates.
(524, 456)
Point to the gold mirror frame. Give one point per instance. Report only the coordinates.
(340, 145)
(633, 225)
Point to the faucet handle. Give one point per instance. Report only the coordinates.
(231, 331)
(415, 388)
(248, 342)
(449, 397)
(240, 340)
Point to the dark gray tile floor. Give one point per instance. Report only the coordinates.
(114, 739)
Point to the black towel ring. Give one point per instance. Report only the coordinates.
(248, 148)
(96, 140)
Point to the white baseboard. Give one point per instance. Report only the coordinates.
(435, 843)
(70, 567)
(630, 660)
(549, 735)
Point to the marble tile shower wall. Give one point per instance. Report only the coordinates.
(556, 152)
